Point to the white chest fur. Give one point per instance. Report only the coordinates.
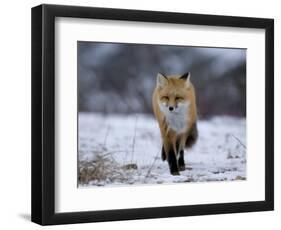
(178, 119)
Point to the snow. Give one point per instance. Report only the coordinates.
(126, 149)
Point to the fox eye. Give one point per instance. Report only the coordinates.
(165, 98)
(179, 98)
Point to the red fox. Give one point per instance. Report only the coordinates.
(174, 106)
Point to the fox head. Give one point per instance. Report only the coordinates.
(174, 93)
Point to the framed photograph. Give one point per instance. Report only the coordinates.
(142, 114)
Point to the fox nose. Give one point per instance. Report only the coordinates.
(171, 108)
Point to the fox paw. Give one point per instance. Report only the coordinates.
(182, 167)
(175, 173)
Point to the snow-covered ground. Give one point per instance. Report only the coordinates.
(122, 150)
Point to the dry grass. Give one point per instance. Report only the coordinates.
(102, 169)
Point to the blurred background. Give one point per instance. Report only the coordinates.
(120, 78)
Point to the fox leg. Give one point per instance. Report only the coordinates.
(171, 157)
(163, 154)
(181, 163)
(181, 160)
(173, 164)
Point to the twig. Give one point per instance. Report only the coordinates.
(105, 138)
(112, 152)
(152, 165)
(134, 139)
(240, 142)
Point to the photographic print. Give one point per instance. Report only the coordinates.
(160, 114)
(165, 105)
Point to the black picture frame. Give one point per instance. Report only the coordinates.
(43, 114)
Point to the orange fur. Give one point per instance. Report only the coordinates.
(173, 91)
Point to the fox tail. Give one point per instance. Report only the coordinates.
(192, 137)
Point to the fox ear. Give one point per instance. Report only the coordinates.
(161, 80)
(186, 77)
